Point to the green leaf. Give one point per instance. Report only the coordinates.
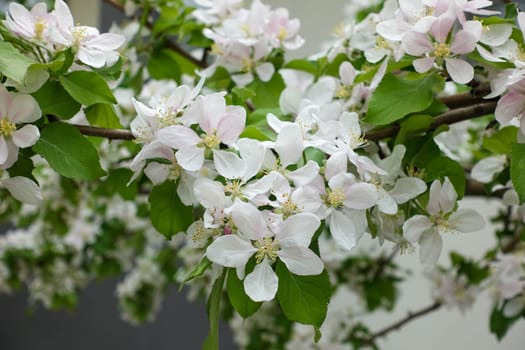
(238, 298)
(198, 271)
(243, 94)
(302, 65)
(87, 88)
(261, 133)
(103, 115)
(117, 183)
(499, 324)
(267, 93)
(502, 141)
(303, 299)
(54, 100)
(395, 98)
(14, 64)
(168, 214)
(163, 65)
(68, 152)
(517, 169)
(413, 125)
(214, 302)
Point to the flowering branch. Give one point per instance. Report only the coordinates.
(112, 134)
(450, 117)
(170, 44)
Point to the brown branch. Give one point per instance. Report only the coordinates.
(116, 4)
(112, 134)
(408, 318)
(450, 117)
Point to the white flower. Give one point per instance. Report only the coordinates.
(486, 169)
(23, 189)
(16, 109)
(442, 218)
(287, 240)
(34, 24)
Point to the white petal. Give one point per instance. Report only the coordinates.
(289, 144)
(448, 196)
(24, 109)
(298, 229)
(23, 189)
(190, 158)
(157, 172)
(386, 203)
(177, 136)
(361, 196)
(209, 193)
(416, 44)
(497, 34)
(466, 220)
(249, 220)
(485, 170)
(265, 71)
(230, 251)
(422, 65)
(304, 175)
(301, 261)
(430, 248)
(407, 188)
(231, 124)
(26, 136)
(513, 307)
(342, 230)
(228, 164)
(460, 71)
(261, 284)
(414, 227)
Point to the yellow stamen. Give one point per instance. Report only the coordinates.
(7, 128)
(266, 248)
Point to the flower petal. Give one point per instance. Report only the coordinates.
(342, 230)
(415, 226)
(407, 188)
(301, 261)
(460, 71)
(191, 158)
(289, 144)
(26, 136)
(261, 284)
(431, 244)
(249, 220)
(298, 229)
(230, 251)
(23, 189)
(466, 220)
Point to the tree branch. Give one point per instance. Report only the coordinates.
(450, 117)
(112, 134)
(396, 325)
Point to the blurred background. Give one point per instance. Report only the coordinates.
(95, 324)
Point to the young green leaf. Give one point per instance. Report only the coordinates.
(103, 115)
(517, 169)
(214, 302)
(395, 98)
(13, 64)
(303, 299)
(168, 214)
(69, 152)
(238, 298)
(87, 88)
(55, 100)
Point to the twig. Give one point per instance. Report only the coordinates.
(408, 318)
(450, 117)
(115, 4)
(112, 134)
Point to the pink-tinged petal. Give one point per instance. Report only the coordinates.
(91, 57)
(265, 71)
(4, 150)
(392, 29)
(416, 44)
(361, 196)
(466, 220)
(191, 158)
(63, 15)
(415, 226)
(441, 27)
(212, 107)
(230, 251)
(424, 24)
(342, 230)
(509, 106)
(497, 34)
(304, 175)
(430, 248)
(22, 20)
(407, 188)
(12, 153)
(249, 220)
(298, 230)
(228, 164)
(261, 284)
(178, 136)
(231, 125)
(301, 261)
(289, 144)
(106, 42)
(24, 109)
(464, 42)
(474, 27)
(460, 71)
(347, 73)
(23, 189)
(26, 136)
(422, 65)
